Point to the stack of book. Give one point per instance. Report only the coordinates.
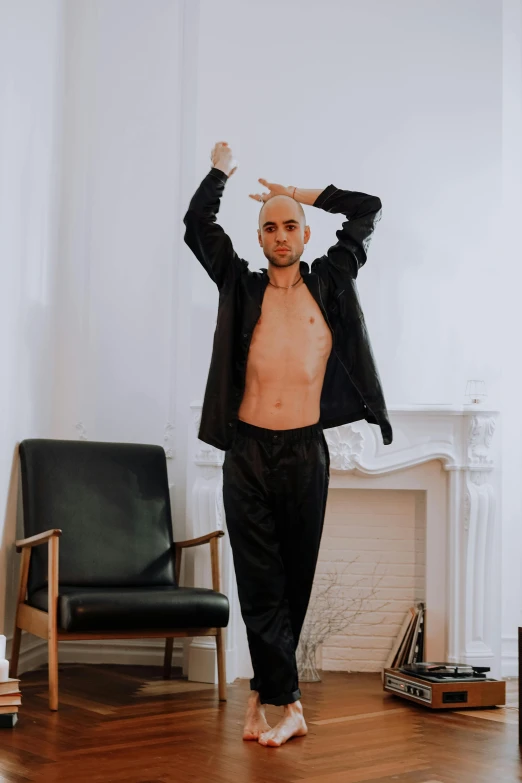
(409, 644)
(10, 699)
(10, 696)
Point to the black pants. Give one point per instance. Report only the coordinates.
(275, 485)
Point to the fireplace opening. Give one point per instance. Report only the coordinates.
(371, 570)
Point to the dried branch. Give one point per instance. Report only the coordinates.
(331, 612)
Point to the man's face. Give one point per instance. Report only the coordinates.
(282, 228)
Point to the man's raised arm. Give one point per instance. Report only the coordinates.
(207, 240)
(362, 212)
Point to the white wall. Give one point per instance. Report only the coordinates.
(119, 239)
(401, 99)
(30, 100)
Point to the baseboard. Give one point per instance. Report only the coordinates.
(509, 662)
(202, 661)
(33, 652)
(139, 652)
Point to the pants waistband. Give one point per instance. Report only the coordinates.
(278, 436)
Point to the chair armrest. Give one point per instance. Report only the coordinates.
(201, 540)
(39, 538)
(212, 539)
(25, 546)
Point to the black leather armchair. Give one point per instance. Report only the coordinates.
(110, 569)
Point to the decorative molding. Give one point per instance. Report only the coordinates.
(167, 438)
(207, 457)
(82, 432)
(196, 414)
(467, 509)
(480, 434)
(479, 526)
(345, 445)
(219, 510)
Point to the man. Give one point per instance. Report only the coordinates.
(291, 357)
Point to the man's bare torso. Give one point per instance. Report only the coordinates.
(286, 362)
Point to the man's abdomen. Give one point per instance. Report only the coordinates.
(285, 368)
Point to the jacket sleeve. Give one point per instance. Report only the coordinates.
(362, 212)
(207, 240)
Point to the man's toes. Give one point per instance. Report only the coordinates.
(251, 734)
(268, 738)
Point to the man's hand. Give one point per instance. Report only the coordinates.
(275, 190)
(222, 158)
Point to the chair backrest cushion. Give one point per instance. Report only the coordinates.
(111, 501)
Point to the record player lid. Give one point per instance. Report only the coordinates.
(443, 668)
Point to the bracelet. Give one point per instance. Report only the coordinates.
(293, 194)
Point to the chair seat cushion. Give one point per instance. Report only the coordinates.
(133, 608)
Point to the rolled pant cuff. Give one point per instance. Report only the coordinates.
(284, 698)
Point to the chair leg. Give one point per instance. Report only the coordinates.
(15, 651)
(222, 677)
(52, 623)
(167, 661)
(53, 668)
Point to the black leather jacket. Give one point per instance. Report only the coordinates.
(351, 388)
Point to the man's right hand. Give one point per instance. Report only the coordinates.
(222, 158)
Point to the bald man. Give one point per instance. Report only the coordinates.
(291, 357)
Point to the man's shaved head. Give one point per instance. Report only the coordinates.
(282, 225)
(297, 208)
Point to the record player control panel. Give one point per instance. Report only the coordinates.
(400, 685)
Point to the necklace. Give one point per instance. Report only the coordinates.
(284, 286)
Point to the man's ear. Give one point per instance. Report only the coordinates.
(307, 233)
(259, 238)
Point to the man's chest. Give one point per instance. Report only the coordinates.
(291, 324)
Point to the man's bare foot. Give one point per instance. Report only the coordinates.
(292, 724)
(255, 721)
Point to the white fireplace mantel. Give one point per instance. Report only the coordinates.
(462, 589)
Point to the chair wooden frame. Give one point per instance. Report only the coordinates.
(45, 624)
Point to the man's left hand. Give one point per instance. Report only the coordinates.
(275, 190)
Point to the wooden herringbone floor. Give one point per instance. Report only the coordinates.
(124, 724)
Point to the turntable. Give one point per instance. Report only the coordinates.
(445, 685)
